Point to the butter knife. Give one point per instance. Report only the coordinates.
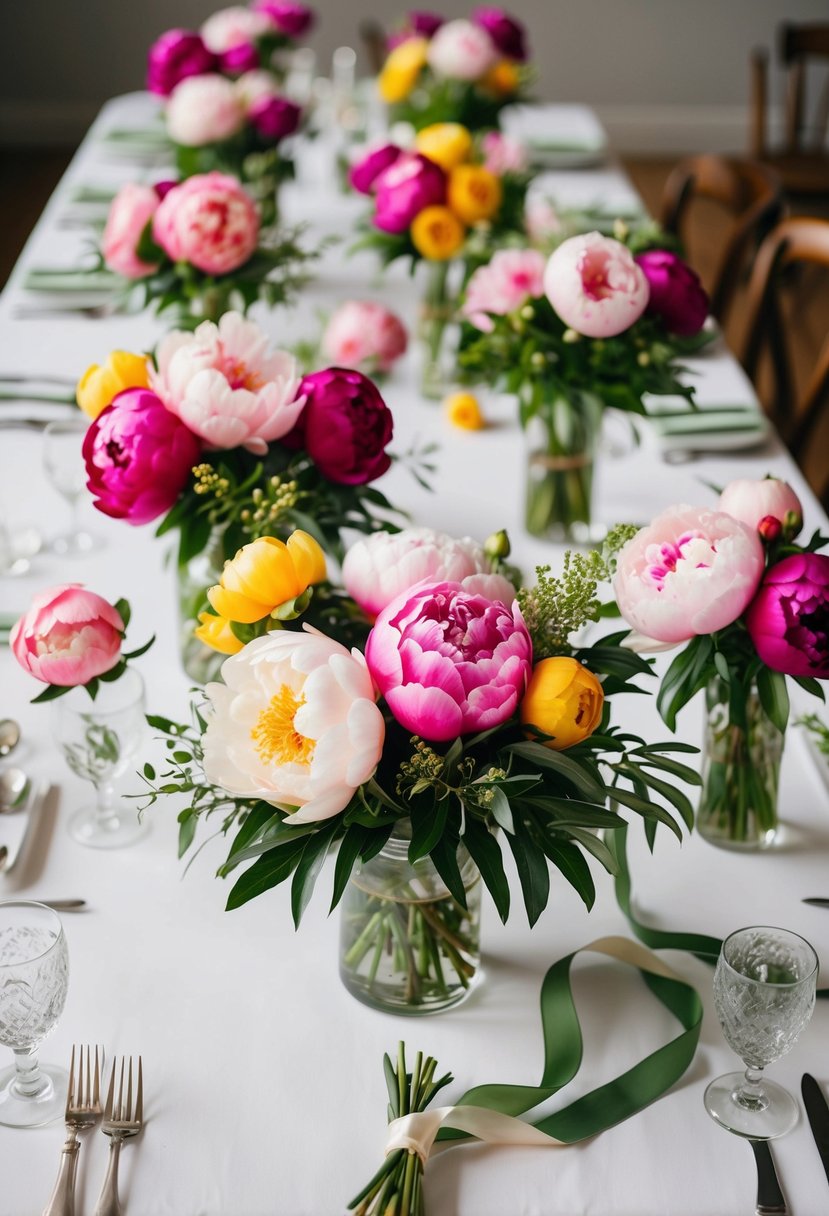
(817, 1113)
(770, 1198)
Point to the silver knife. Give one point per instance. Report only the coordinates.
(817, 901)
(817, 1111)
(770, 1199)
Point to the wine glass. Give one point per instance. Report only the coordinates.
(64, 465)
(34, 973)
(764, 994)
(99, 740)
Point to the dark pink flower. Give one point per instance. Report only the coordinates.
(677, 296)
(290, 19)
(275, 117)
(243, 57)
(174, 56)
(423, 22)
(364, 173)
(507, 33)
(138, 457)
(788, 619)
(412, 183)
(345, 426)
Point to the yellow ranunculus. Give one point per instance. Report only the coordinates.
(463, 410)
(502, 79)
(564, 699)
(265, 574)
(99, 384)
(437, 233)
(446, 143)
(474, 193)
(216, 633)
(401, 70)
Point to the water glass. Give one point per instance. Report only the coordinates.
(64, 465)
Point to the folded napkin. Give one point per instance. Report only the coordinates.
(710, 428)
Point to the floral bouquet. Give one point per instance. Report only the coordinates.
(591, 326)
(752, 608)
(365, 336)
(466, 721)
(225, 442)
(458, 70)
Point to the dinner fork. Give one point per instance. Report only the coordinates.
(121, 1120)
(83, 1109)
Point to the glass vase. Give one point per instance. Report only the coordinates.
(200, 662)
(406, 945)
(740, 774)
(435, 332)
(562, 434)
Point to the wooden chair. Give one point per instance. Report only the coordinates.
(802, 162)
(751, 193)
(793, 245)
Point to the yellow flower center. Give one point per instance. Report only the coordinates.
(275, 735)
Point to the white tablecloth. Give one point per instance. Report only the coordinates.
(263, 1077)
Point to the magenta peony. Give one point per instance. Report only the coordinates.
(788, 620)
(238, 59)
(204, 110)
(449, 662)
(130, 211)
(507, 33)
(68, 636)
(287, 17)
(208, 221)
(364, 335)
(275, 117)
(692, 571)
(138, 457)
(364, 173)
(345, 426)
(676, 294)
(175, 56)
(403, 190)
(595, 286)
(757, 502)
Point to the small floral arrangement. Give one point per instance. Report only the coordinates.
(364, 335)
(749, 607)
(458, 70)
(198, 247)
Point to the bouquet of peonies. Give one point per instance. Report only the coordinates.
(753, 608)
(366, 336)
(466, 721)
(591, 326)
(457, 70)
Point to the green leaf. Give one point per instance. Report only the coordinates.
(650, 811)
(810, 685)
(351, 845)
(501, 810)
(134, 654)
(567, 858)
(445, 858)
(721, 664)
(254, 825)
(533, 874)
(123, 609)
(687, 674)
(545, 757)
(310, 864)
(485, 852)
(671, 794)
(52, 692)
(428, 823)
(269, 871)
(187, 831)
(149, 772)
(682, 771)
(774, 696)
(193, 537)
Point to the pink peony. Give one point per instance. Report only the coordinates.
(403, 190)
(595, 286)
(68, 636)
(364, 335)
(275, 118)
(208, 221)
(379, 567)
(130, 211)
(507, 281)
(364, 173)
(460, 50)
(204, 110)
(231, 27)
(676, 294)
(345, 426)
(224, 383)
(692, 571)
(789, 617)
(138, 457)
(449, 662)
(175, 56)
(507, 33)
(503, 153)
(287, 17)
(753, 502)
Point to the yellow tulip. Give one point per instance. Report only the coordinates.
(99, 384)
(216, 633)
(564, 699)
(474, 193)
(446, 143)
(463, 410)
(502, 79)
(437, 233)
(400, 71)
(265, 574)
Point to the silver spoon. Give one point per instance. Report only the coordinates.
(14, 787)
(9, 736)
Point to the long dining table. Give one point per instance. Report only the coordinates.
(264, 1089)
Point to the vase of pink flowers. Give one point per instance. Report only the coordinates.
(561, 433)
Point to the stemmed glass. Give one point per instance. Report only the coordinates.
(65, 469)
(764, 994)
(99, 740)
(34, 973)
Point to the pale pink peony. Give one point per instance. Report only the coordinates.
(507, 281)
(226, 386)
(503, 153)
(761, 504)
(204, 110)
(130, 211)
(232, 27)
(692, 571)
(460, 50)
(68, 636)
(295, 723)
(595, 286)
(364, 335)
(209, 221)
(377, 568)
(541, 219)
(255, 86)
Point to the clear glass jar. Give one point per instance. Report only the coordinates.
(437, 332)
(406, 945)
(561, 448)
(200, 662)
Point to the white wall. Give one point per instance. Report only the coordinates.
(664, 75)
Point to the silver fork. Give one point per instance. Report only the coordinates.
(121, 1120)
(83, 1110)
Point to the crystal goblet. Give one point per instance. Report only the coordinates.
(764, 994)
(64, 465)
(34, 973)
